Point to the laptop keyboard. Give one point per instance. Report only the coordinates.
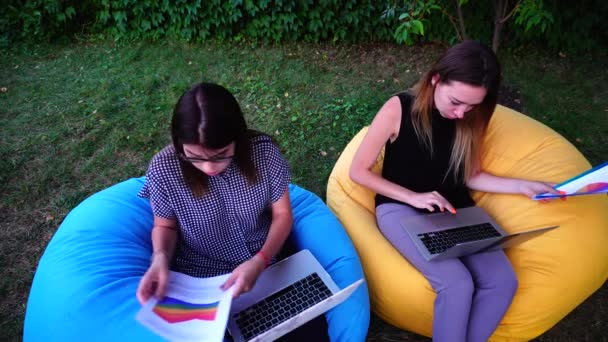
(282, 305)
(437, 242)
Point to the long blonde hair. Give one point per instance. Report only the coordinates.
(472, 63)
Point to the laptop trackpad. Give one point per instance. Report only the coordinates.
(444, 220)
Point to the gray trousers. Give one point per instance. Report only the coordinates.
(473, 292)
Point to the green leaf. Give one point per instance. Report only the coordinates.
(417, 27)
(104, 16)
(120, 16)
(70, 11)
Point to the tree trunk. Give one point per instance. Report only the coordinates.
(463, 32)
(500, 9)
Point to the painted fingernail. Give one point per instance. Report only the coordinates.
(453, 211)
(562, 192)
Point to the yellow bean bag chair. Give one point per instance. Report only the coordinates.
(556, 271)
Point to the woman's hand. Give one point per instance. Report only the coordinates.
(245, 275)
(532, 188)
(154, 281)
(426, 200)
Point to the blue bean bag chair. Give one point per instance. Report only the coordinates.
(84, 287)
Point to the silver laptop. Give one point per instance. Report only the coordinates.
(285, 296)
(471, 230)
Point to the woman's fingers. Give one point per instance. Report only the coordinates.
(442, 203)
(239, 286)
(549, 188)
(160, 289)
(142, 295)
(530, 193)
(230, 281)
(238, 281)
(161, 284)
(450, 208)
(145, 290)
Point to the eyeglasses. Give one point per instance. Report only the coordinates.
(205, 160)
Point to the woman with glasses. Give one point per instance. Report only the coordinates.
(219, 195)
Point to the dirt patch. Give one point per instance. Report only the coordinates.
(404, 65)
(510, 97)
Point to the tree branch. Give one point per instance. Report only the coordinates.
(451, 19)
(510, 14)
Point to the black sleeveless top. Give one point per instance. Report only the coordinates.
(408, 162)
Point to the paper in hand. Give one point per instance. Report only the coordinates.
(594, 181)
(193, 309)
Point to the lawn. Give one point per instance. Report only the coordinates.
(80, 117)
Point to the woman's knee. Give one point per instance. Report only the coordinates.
(503, 280)
(493, 271)
(507, 281)
(456, 283)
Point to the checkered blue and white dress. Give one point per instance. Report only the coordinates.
(229, 224)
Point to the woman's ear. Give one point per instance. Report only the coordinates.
(434, 79)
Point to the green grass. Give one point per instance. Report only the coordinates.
(571, 96)
(78, 118)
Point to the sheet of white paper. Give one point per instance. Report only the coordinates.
(594, 181)
(194, 309)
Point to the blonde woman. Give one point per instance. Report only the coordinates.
(432, 139)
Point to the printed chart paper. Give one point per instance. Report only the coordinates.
(594, 181)
(193, 309)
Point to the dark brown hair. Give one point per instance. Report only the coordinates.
(210, 116)
(472, 63)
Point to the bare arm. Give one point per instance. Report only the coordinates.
(245, 275)
(383, 128)
(282, 219)
(154, 281)
(164, 237)
(483, 181)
